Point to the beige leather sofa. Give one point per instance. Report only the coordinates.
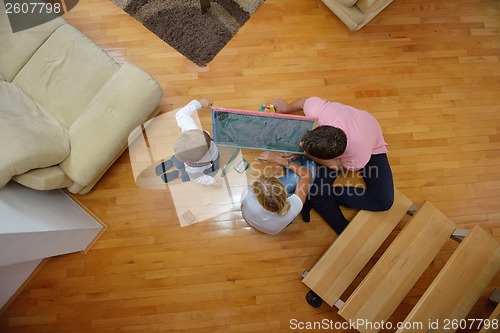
(356, 13)
(66, 107)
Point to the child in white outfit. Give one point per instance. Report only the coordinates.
(195, 153)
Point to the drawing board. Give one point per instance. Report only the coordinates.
(260, 130)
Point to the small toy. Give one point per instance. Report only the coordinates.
(264, 107)
(241, 165)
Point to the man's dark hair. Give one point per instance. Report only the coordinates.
(325, 142)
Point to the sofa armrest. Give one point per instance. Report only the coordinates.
(357, 16)
(99, 134)
(351, 16)
(367, 6)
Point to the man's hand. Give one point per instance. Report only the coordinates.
(283, 107)
(279, 105)
(206, 103)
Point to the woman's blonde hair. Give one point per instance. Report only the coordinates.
(271, 194)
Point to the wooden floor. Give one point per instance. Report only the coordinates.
(428, 70)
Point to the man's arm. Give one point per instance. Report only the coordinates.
(282, 106)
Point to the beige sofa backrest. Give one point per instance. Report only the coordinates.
(16, 49)
(65, 73)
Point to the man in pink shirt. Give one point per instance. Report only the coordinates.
(345, 139)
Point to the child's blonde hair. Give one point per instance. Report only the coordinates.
(271, 194)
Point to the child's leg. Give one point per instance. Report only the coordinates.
(169, 176)
(163, 167)
(182, 168)
(178, 164)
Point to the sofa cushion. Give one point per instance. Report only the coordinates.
(65, 73)
(347, 3)
(16, 49)
(29, 137)
(44, 179)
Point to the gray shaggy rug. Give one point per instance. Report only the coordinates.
(181, 23)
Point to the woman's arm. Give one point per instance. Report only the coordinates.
(305, 175)
(302, 188)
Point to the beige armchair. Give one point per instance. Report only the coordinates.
(356, 13)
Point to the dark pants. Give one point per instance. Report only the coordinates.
(377, 196)
(215, 167)
(182, 168)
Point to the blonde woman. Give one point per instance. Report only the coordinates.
(266, 205)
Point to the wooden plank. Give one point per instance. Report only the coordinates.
(492, 324)
(350, 252)
(459, 284)
(389, 281)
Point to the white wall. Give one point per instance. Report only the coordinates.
(35, 225)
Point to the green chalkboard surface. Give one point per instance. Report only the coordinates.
(260, 130)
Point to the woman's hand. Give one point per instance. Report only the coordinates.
(290, 157)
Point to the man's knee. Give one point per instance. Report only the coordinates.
(385, 203)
